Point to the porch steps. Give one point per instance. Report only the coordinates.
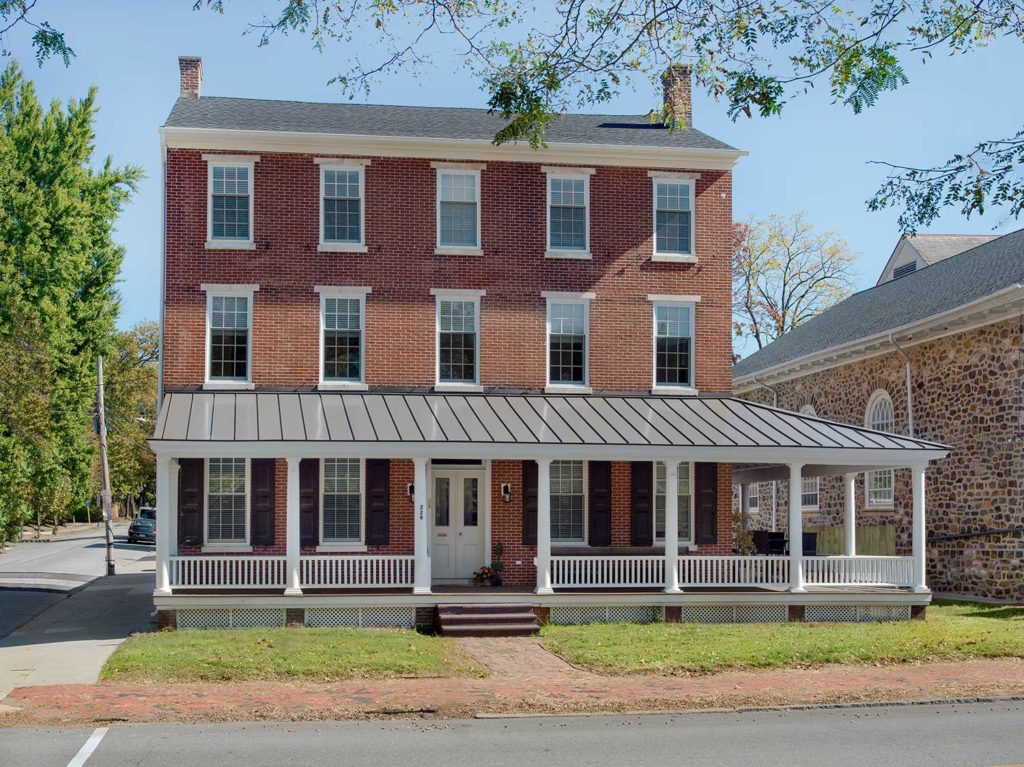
(497, 620)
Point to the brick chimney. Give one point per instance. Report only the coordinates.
(191, 70)
(675, 86)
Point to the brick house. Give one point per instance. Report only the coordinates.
(394, 353)
(935, 350)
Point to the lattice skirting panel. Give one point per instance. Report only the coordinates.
(734, 613)
(231, 618)
(856, 613)
(366, 617)
(579, 614)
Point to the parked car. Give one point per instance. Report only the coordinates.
(143, 527)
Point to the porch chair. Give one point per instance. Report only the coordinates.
(777, 544)
(810, 544)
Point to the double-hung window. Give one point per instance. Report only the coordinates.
(568, 339)
(342, 336)
(342, 207)
(685, 496)
(568, 213)
(673, 218)
(342, 519)
(880, 417)
(568, 502)
(229, 211)
(458, 337)
(229, 334)
(673, 342)
(458, 210)
(227, 518)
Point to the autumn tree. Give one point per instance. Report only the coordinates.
(784, 273)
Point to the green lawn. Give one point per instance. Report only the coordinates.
(320, 655)
(952, 631)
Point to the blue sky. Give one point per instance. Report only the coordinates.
(813, 158)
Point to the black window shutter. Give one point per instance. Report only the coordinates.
(642, 532)
(190, 501)
(261, 511)
(378, 498)
(600, 501)
(309, 501)
(530, 503)
(706, 502)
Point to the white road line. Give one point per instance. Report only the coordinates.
(90, 745)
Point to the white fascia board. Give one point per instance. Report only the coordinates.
(1001, 305)
(218, 139)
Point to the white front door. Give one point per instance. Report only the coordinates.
(458, 536)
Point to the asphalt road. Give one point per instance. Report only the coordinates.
(975, 735)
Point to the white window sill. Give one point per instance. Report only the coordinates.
(230, 245)
(341, 386)
(341, 247)
(228, 385)
(688, 391)
(557, 389)
(340, 548)
(226, 548)
(581, 255)
(467, 387)
(449, 250)
(673, 258)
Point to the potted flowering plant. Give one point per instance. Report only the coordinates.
(491, 574)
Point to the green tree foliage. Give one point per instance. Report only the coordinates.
(784, 273)
(58, 266)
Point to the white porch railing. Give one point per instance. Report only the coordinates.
(227, 572)
(612, 571)
(755, 571)
(859, 571)
(357, 572)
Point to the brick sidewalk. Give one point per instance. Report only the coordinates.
(524, 678)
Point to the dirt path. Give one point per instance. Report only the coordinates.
(524, 678)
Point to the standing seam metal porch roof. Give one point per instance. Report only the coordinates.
(503, 419)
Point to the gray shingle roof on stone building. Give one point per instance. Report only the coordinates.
(217, 112)
(938, 247)
(946, 285)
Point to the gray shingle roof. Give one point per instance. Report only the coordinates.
(938, 247)
(421, 122)
(946, 285)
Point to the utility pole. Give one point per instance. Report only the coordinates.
(105, 469)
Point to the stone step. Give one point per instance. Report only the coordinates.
(467, 619)
(492, 630)
(484, 609)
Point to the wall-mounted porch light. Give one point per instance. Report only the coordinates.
(506, 492)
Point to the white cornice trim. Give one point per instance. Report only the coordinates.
(559, 295)
(1001, 305)
(462, 149)
(455, 292)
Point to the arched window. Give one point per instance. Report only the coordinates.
(880, 417)
(809, 486)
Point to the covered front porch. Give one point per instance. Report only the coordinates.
(637, 543)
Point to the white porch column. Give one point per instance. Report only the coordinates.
(796, 530)
(293, 530)
(165, 509)
(672, 527)
(850, 514)
(421, 528)
(544, 526)
(918, 543)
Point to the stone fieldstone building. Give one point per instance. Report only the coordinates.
(933, 351)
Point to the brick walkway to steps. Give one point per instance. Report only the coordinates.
(524, 679)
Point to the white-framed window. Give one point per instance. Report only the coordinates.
(568, 216)
(342, 206)
(880, 417)
(342, 519)
(568, 332)
(754, 499)
(568, 502)
(673, 330)
(458, 337)
(674, 226)
(458, 209)
(342, 336)
(229, 201)
(809, 486)
(229, 310)
(685, 494)
(227, 502)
